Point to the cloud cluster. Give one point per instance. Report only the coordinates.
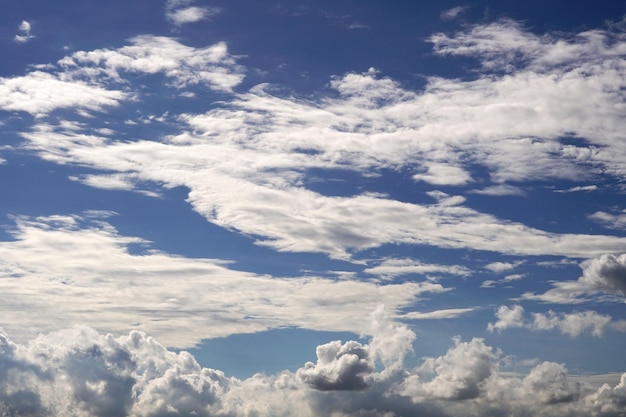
(263, 145)
(572, 324)
(81, 372)
(184, 66)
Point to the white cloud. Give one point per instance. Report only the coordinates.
(190, 14)
(443, 174)
(508, 318)
(452, 13)
(261, 145)
(572, 324)
(210, 66)
(24, 34)
(391, 268)
(180, 12)
(338, 367)
(81, 372)
(449, 313)
(39, 93)
(498, 267)
(603, 277)
(105, 285)
(610, 220)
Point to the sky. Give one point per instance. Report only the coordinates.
(296, 208)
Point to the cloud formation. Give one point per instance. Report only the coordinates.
(106, 285)
(572, 324)
(180, 12)
(24, 32)
(81, 372)
(603, 277)
(263, 145)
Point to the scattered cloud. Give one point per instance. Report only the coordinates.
(24, 32)
(603, 277)
(586, 188)
(610, 220)
(452, 13)
(498, 267)
(571, 324)
(181, 12)
(499, 190)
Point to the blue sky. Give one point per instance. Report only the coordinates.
(283, 208)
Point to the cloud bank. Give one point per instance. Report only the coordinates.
(81, 372)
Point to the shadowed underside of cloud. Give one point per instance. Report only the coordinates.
(604, 276)
(81, 372)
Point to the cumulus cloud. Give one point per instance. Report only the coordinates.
(572, 324)
(82, 372)
(338, 367)
(603, 277)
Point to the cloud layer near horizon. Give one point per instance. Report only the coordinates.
(81, 372)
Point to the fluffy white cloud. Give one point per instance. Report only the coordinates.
(604, 276)
(338, 367)
(507, 318)
(572, 324)
(81, 372)
(68, 270)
